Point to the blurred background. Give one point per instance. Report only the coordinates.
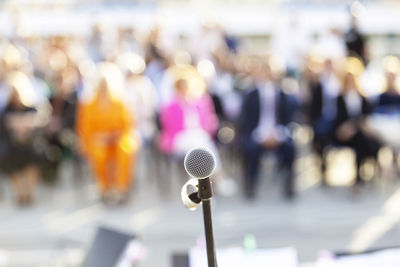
(100, 101)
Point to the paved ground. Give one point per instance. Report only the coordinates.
(67, 214)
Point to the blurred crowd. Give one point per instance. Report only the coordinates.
(107, 98)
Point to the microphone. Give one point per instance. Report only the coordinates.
(200, 163)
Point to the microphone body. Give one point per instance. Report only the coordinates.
(200, 164)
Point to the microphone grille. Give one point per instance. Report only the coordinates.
(200, 163)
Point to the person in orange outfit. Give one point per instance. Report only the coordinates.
(105, 129)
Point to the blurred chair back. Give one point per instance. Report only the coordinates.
(107, 248)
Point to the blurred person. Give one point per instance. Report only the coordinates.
(389, 103)
(325, 88)
(187, 122)
(142, 101)
(355, 41)
(156, 68)
(141, 97)
(389, 100)
(105, 129)
(291, 41)
(95, 44)
(350, 128)
(128, 42)
(266, 111)
(19, 123)
(227, 100)
(60, 132)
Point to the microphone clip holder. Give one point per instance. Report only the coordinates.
(205, 191)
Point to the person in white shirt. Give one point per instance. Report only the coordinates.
(266, 111)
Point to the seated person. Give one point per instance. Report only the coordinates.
(105, 130)
(389, 104)
(60, 132)
(265, 112)
(141, 99)
(324, 89)
(19, 122)
(187, 122)
(350, 125)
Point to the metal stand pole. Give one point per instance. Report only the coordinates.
(209, 233)
(205, 194)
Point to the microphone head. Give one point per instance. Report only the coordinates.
(200, 163)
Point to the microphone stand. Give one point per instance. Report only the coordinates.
(205, 193)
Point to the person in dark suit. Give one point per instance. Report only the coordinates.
(350, 127)
(266, 111)
(324, 89)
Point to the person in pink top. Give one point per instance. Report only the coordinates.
(187, 122)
